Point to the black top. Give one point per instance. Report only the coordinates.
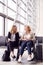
(16, 36)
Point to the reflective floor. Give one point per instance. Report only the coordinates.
(13, 62)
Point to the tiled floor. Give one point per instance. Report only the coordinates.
(13, 62)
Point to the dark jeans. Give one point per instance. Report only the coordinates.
(24, 44)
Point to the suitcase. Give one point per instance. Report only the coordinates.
(39, 52)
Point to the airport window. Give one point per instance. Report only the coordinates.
(1, 0)
(1, 26)
(18, 26)
(21, 29)
(25, 1)
(8, 26)
(11, 13)
(14, 0)
(22, 5)
(1, 8)
(22, 10)
(21, 19)
(12, 4)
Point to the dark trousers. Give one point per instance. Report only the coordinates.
(11, 46)
(24, 44)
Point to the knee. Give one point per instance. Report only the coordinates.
(19, 47)
(29, 44)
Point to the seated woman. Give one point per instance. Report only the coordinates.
(13, 40)
(27, 41)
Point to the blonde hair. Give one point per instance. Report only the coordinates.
(12, 31)
(29, 29)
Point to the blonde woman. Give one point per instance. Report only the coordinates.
(26, 42)
(13, 40)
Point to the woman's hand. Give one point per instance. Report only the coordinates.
(24, 39)
(9, 40)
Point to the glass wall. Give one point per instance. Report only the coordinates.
(1, 26)
(8, 26)
(21, 10)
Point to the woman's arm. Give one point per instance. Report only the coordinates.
(9, 36)
(22, 38)
(17, 37)
(9, 39)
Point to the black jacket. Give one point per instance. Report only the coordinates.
(16, 37)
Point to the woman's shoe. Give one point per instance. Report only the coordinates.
(29, 58)
(14, 57)
(19, 60)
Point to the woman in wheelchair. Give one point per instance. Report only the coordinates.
(27, 41)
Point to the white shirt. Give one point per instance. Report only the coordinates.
(13, 37)
(27, 36)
